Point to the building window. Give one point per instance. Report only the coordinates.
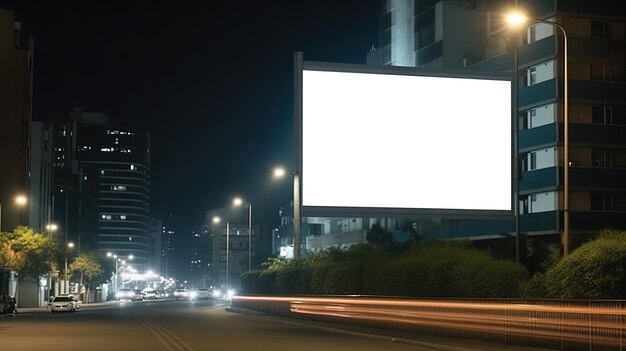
(532, 76)
(132, 167)
(122, 216)
(118, 187)
(601, 114)
(601, 72)
(601, 29)
(598, 158)
(600, 201)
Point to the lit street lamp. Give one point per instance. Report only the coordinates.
(518, 19)
(218, 220)
(117, 261)
(297, 221)
(237, 202)
(20, 200)
(66, 285)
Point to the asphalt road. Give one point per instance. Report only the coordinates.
(193, 326)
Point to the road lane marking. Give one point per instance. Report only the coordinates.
(170, 340)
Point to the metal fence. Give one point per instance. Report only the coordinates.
(558, 324)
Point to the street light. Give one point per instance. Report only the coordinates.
(20, 200)
(217, 219)
(237, 202)
(279, 173)
(517, 19)
(117, 261)
(66, 285)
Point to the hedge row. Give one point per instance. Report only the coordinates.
(430, 270)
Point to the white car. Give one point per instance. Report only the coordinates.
(181, 294)
(149, 294)
(124, 294)
(64, 303)
(203, 293)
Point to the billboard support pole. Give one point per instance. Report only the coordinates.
(298, 66)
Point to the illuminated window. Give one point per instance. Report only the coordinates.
(132, 167)
(122, 216)
(118, 187)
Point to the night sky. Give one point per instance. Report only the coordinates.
(211, 81)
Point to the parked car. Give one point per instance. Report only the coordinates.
(64, 303)
(138, 295)
(124, 294)
(149, 294)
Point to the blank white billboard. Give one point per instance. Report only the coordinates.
(405, 141)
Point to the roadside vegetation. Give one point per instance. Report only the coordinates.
(445, 269)
(595, 270)
(33, 254)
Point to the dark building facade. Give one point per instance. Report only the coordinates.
(16, 96)
(473, 35)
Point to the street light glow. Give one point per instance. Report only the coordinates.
(21, 200)
(216, 219)
(70, 245)
(516, 18)
(279, 172)
(52, 227)
(237, 201)
(130, 257)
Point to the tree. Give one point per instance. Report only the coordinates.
(88, 266)
(379, 236)
(26, 251)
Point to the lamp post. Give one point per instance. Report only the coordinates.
(518, 19)
(66, 285)
(237, 202)
(218, 220)
(117, 261)
(20, 200)
(297, 208)
(50, 228)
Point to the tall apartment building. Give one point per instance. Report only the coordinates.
(16, 96)
(168, 260)
(200, 259)
(473, 35)
(107, 185)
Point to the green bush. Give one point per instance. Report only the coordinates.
(450, 269)
(596, 270)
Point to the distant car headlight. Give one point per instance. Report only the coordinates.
(193, 294)
(230, 293)
(217, 293)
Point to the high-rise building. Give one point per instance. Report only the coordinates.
(40, 196)
(16, 96)
(474, 35)
(107, 167)
(168, 241)
(199, 260)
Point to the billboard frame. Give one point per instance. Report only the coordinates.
(381, 212)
